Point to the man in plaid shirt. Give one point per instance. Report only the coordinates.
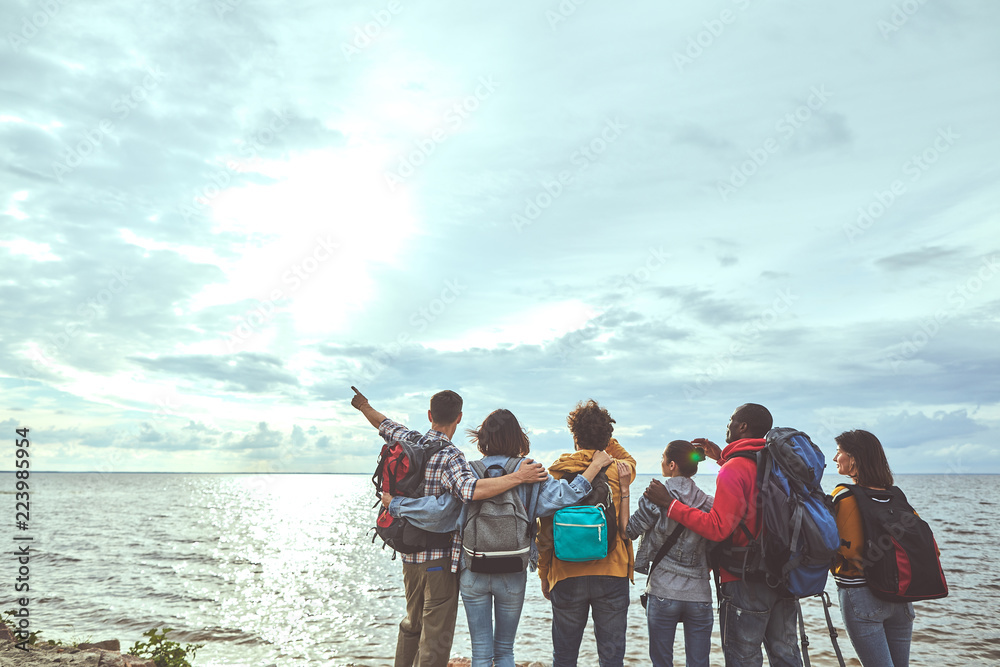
(431, 577)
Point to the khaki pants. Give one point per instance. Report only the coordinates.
(425, 635)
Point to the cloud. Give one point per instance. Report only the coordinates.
(907, 430)
(918, 259)
(180, 162)
(243, 371)
(262, 438)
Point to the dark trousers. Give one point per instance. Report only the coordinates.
(752, 614)
(573, 600)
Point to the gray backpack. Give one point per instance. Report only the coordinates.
(497, 534)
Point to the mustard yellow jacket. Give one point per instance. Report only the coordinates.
(620, 561)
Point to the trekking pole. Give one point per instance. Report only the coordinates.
(802, 632)
(829, 623)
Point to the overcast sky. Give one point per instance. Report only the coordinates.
(215, 217)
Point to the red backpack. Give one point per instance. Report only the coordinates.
(400, 472)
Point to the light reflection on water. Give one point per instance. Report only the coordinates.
(280, 569)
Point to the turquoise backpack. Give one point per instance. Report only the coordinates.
(582, 533)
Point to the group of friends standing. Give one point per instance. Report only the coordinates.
(752, 615)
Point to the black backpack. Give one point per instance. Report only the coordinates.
(400, 472)
(900, 555)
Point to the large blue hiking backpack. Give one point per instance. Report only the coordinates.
(798, 534)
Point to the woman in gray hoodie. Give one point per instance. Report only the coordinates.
(678, 588)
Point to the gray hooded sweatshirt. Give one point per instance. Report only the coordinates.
(683, 572)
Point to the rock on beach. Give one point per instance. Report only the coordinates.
(102, 654)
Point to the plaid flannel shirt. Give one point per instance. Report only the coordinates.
(447, 472)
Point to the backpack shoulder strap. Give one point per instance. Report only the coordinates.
(751, 456)
(667, 546)
(513, 463)
(479, 468)
(896, 491)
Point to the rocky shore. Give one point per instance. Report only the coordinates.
(101, 654)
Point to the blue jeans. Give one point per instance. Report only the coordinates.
(572, 601)
(481, 594)
(662, 617)
(879, 630)
(751, 614)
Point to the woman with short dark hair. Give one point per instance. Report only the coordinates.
(678, 589)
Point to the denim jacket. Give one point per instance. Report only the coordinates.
(445, 513)
(688, 557)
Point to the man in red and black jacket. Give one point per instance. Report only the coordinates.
(751, 613)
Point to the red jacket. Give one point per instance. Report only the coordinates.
(735, 498)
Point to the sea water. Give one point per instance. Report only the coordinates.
(281, 569)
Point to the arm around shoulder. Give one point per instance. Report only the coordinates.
(558, 493)
(616, 451)
(732, 495)
(528, 472)
(437, 514)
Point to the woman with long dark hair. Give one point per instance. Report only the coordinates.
(879, 630)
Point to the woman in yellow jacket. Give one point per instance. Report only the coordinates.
(880, 631)
(602, 586)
